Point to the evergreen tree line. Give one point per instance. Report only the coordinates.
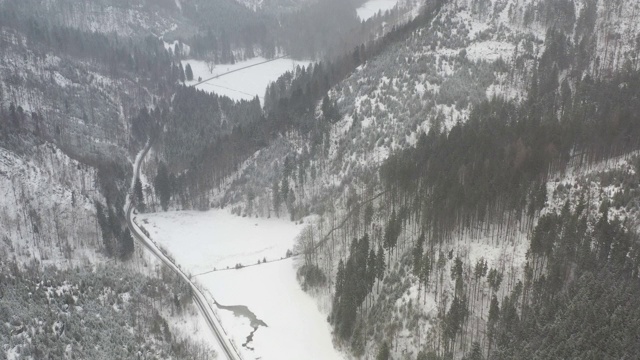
(580, 296)
(204, 138)
(116, 237)
(577, 298)
(117, 242)
(498, 161)
(295, 94)
(323, 29)
(227, 29)
(297, 171)
(14, 120)
(20, 130)
(225, 48)
(81, 312)
(146, 57)
(354, 282)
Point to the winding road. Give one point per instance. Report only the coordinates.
(229, 349)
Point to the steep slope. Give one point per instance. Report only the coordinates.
(473, 51)
(47, 207)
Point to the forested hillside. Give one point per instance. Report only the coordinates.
(463, 176)
(109, 312)
(223, 31)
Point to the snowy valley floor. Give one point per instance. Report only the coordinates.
(263, 308)
(243, 80)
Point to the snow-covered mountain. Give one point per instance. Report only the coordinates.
(471, 52)
(86, 84)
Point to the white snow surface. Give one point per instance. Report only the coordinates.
(372, 7)
(295, 329)
(202, 241)
(243, 80)
(490, 51)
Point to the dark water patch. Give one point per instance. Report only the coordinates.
(243, 311)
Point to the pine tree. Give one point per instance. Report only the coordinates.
(476, 352)
(126, 245)
(339, 279)
(139, 195)
(372, 270)
(368, 215)
(417, 256)
(495, 279)
(188, 72)
(494, 315)
(163, 186)
(391, 232)
(380, 265)
(105, 229)
(426, 271)
(13, 115)
(277, 200)
(384, 353)
(181, 73)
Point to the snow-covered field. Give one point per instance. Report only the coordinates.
(295, 329)
(372, 7)
(242, 80)
(202, 241)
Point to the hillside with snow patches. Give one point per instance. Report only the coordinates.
(66, 145)
(59, 289)
(473, 51)
(47, 207)
(172, 18)
(430, 79)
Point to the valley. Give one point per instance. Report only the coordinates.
(330, 179)
(244, 262)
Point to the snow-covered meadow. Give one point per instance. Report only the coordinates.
(293, 327)
(203, 241)
(242, 80)
(216, 239)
